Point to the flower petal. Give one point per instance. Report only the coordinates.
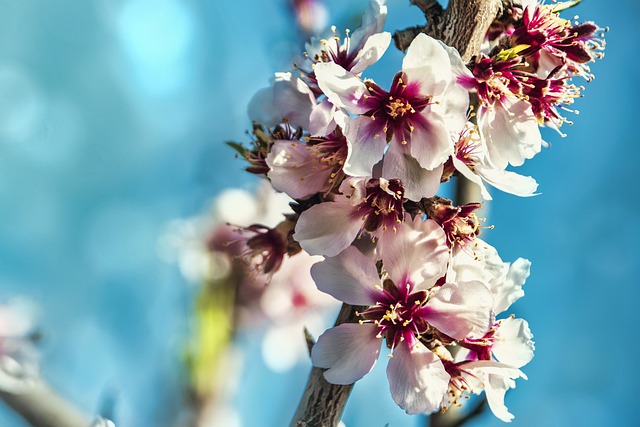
(417, 250)
(350, 276)
(427, 62)
(318, 236)
(343, 88)
(512, 342)
(460, 310)
(418, 182)
(509, 291)
(295, 171)
(366, 143)
(371, 52)
(511, 132)
(430, 143)
(349, 351)
(417, 378)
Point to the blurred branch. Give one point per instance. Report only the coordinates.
(454, 417)
(42, 407)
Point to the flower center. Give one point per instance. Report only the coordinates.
(398, 107)
(397, 314)
(382, 205)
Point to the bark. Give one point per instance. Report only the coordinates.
(322, 403)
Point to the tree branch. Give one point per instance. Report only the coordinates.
(462, 25)
(322, 403)
(42, 407)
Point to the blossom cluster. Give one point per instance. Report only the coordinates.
(363, 165)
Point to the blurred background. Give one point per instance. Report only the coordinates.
(113, 115)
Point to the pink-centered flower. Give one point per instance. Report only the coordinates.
(407, 309)
(303, 169)
(552, 41)
(470, 159)
(506, 121)
(372, 205)
(409, 125)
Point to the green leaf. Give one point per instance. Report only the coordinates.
(238, 147)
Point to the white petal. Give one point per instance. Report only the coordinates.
(350, 276)
(318, 236)
(418, 250)
(461, 310)
(371, 52)
(349, 351)
(509, 291)
(497, 379)
(366, 144)
(471, 176)
(509, 182)
(427, 62)
(343, 88)
(511, 131)
(418, 182)
(513, 343)
(372, 22)
(417, 378)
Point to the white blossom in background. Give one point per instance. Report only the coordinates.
(19, 358)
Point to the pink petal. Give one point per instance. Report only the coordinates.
(366, 142)
(321, 121)
(349, 352)
(460, 310)
(288, 98)
(418, 250)
(430, 143)
(350, 276)
(418, 182)
(293, 170)
(318, 236)
(417, 378)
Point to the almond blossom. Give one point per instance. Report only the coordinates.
(410, 309)
(372, 205)
(470, 159)
(413, 119)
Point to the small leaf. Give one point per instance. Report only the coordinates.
(238, 147)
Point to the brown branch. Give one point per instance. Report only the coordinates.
(322, 403)
(462, 25)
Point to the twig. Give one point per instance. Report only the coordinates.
(322, 403)
(42, 407)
